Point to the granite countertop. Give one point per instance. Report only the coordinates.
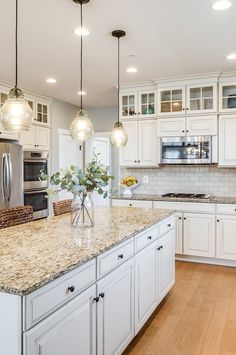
(146, 197)
(36, 253)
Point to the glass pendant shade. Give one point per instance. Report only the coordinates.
(16, 114)
(81, 127)
(118, 136)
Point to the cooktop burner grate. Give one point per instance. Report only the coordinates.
(184, 195)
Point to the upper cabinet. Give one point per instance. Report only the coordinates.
(227, 141)
(201, 99)
(171, 100)
(138, 104)
(42, 113)
(227, 97)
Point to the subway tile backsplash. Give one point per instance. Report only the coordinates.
(199, 179)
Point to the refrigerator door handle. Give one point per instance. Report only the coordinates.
(9, 175)
(4, 177)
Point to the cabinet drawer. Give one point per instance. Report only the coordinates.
(48, 298)
(166, 225)
(114, 257)
(132, 203)
(226, 209)
(144, 239)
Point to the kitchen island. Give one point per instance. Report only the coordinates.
(64, 291)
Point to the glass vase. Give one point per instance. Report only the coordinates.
(82, 211)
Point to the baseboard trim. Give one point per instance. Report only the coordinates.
(203, 260)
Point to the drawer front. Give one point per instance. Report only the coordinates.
(144, 239)
(166, 225)
(108, 261)
(185, 206)
(226, 209)
(132, 203)
(40, 303)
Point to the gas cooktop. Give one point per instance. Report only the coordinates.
(183, 195)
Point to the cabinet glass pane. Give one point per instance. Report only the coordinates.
(195, 105)
(207, 104)
(39, 117)
(131, 100)
(177, 95)
(144, 109)
(148, 109)
(229, 96)
(125, 100)
(31, 104)
(45, 109)
(151, 98)
(40, 108)
(165, 107)
(45, 118)
(144, 99)
(125, 111)
(176, 106)
(3, 98)
(131, 110)
(165, 95)
(195, 93)
(207, 91)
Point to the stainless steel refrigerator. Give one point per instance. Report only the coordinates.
(11, 174)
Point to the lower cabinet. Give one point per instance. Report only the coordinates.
(37, 138)
(226, 237)
(69, 331)
(199, 234)
(115, 310)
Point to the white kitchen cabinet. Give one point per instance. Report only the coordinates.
(179, 233)
(42, 113)
(171, 100)
(9, 134)
(187, 126)
(201, 98)
(138, 104)
(132, 203)
(227, 97)
(129, 105)
(146, 285)
(199, 234)
(147, 104)
(71, 330)
(141, 149)
(115, 310)
(227, 141)
(166, 264)
(36, 138)
(226, 237)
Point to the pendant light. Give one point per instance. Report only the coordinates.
(81, 127)
(16, 114)
(118, 136)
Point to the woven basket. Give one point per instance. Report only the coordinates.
(17, 215)
(62, 207)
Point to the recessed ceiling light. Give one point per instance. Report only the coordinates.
(51, 81)
(81, 31)
(131, 70)
(220, 5)
(231, 56)
(82, 93)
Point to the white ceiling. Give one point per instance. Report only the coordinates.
(169, 38)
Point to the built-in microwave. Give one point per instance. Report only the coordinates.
(186, 150)
(34, 163)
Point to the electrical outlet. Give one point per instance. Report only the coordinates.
(145, 179)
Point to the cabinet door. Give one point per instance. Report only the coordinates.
(201, 126)
(129, 105)
(226, 237)
(166, 263)
(147, 104)
(147, 143)
(171, 101)
(115, 311)
(179, 233)
(42, 138)
(227, 141)
(201, 99)
(71, 330)
(171, 127)
(27, 139)
(227, 97)
(145, 285)
(9, 134)
(42, 113)
(128, 154)
(199, 234)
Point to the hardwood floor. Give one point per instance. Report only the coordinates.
(197, 317)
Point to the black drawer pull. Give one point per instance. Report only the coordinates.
(161, 247)
(102, 295)
(71, 289)
(96, 299)
(150, 237)
(120, 256)
(169, 225)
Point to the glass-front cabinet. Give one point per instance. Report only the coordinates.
(42, 114)
(147, 104)
(201, 99)
(138, 104)
(227, 97)
(129, 105)
(171, 100)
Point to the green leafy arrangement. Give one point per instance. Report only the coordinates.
(94, 177)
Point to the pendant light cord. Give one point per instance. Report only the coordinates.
(81, 57)
(16, 46)
(118, 80)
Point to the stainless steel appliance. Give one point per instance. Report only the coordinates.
(11, 174)
(187, 195)
(34, 162)
(38, 200)
(186, 150)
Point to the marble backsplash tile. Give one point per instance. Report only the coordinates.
(199, 179)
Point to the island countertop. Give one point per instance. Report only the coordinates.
(33, 254)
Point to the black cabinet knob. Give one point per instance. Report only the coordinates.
(183, 130)
(183, 109)
(150, 237)
(218, 220)
(169, 225)
(96, 299)
(138, 161)
(187, 131)
(102, 295)
(130, 204)
(135, 161)
(185, 218)
(120, 256)
(161, 247)
(158, 249)
(71, 289)
(180, 218)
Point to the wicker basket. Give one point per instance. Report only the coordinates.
(17, 215)
(62, 207)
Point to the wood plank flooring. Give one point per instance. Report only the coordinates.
(197, 317)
